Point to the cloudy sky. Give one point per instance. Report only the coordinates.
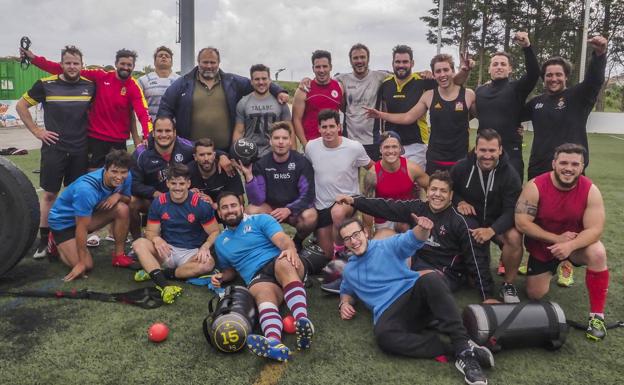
(275, 32)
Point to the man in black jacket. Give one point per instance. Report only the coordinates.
(487, 186)
(450, 250)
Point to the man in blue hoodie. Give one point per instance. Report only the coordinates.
(404, 302)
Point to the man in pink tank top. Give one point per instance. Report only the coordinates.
(324, 93)
(562, 216)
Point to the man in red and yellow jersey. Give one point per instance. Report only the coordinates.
(117, 95)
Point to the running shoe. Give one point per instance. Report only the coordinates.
(596, 329)
(565, 274)
(268, 347)
(483, 354)
(468, 364)
(169, 293)
(122, 260)
(305, 332)
(141, 276)
(508, 293)
(332, 287)
(42, 249)
(522, 270)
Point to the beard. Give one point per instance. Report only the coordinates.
(566, 185)
(208, 75)
(233, 222)
(71, 79)
(405, 74)
(123, 74)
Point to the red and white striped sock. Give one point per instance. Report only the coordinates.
(270, 320)
(295, 297)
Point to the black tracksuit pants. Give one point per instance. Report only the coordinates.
(402, 327)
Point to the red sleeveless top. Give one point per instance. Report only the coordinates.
(557, 212)
(319, 98)
(393, 185)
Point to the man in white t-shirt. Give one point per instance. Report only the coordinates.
(154, 84)
(336, 161)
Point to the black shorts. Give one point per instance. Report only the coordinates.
(514, 155)
(98, 149)
(267, 274)
(60, 168)
(373, 151)
(324, 217)
(64, 235)
(535, 266)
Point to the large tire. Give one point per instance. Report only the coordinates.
(19, 215)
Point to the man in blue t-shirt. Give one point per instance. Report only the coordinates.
(403, 301)
(88, 204)
(260, 251)
(180, 230)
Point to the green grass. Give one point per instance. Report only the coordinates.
(84, 342)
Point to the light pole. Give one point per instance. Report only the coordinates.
(278, 72)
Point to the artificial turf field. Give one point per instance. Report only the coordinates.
(48, 341)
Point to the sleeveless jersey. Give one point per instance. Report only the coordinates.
(449, 128)
(393, 185)
(557, 212)
(319, 98)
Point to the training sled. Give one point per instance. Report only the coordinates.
(19, 215)
(231, 320)
(527, 324)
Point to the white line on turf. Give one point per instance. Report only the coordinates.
(616, 137)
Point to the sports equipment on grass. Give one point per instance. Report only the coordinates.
(268, 347)
(158, 332)
(289, 324)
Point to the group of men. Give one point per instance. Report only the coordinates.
(181, 178)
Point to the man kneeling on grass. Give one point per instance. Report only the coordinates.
(258, 249)
(405, 302)
(181, 228)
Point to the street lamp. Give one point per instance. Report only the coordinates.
(278, 72)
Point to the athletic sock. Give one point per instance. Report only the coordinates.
(270, 320)
(169, 273)
(43, 233)
(295, 297)
(158, 277)
(597, 283)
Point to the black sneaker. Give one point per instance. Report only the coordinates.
(42, 249)
(596, 329)
(484, 355)
(468, 364)
(508, 293)
(332, 287)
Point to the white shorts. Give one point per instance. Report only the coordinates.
(179, 256)
(417, 153)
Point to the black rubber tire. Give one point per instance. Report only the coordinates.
(19, 215)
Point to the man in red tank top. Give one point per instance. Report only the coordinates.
(562, 216)
(324, 93)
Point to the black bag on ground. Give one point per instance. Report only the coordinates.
(527, 324)
(232, 319)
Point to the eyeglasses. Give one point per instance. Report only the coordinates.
(350, 238)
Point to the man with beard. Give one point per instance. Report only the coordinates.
(180, 230)
(64, 137)
(487, 186)
(88, 204)
(281, 184)
(402, 91)
(449, 107)
(203, 102)
(205, 177)
(257, 248)
(149, 173)
(500, 101)
(154, 84)
(562, 216)
(118, 94)
(560, 114)
(257, 111)
(450, 250)
(324, 93)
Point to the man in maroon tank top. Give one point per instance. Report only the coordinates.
(562, 216)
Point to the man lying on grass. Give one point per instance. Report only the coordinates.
(404, 302)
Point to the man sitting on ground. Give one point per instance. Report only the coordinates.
(258, 249)
(404, 302)
(181, 228)
(88, 204)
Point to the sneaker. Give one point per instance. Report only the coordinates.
(501, 268)
(565, 274)
(42, 249)
(141, 276)
(332, 287)
(268, 347)
(522, 270)
(508, 293)
(305, 332)
(596, 329)
(483, 354)
(468, 364)
(169, 293)
(122, 260)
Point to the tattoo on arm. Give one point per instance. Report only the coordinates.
(526, 207)
(370, 184)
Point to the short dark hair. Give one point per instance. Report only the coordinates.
(163, 48)
(283, 125)
(442, 176)
(348, 221)
(327, 114)
(488, 134)
(402, 48)
(126, 53)
(501, 53)
(163, 117)
(225, 194)
(259, 68)
(213, 49)
(557, 60)
(359, 46)
(177, 170)
(441, 58)
(72, 50)
(319, 54)
(570, 148)
(203, 142)
(118, 158)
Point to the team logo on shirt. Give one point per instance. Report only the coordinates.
(561, 104)
(291, 166)
(165, 216)
(438, 106)
(190, 218)
(179, 158)
(334, 94)
(431, 242)
(123, 91)
(459, 106)
(539, 106)
(246, 229)
(442, 231)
